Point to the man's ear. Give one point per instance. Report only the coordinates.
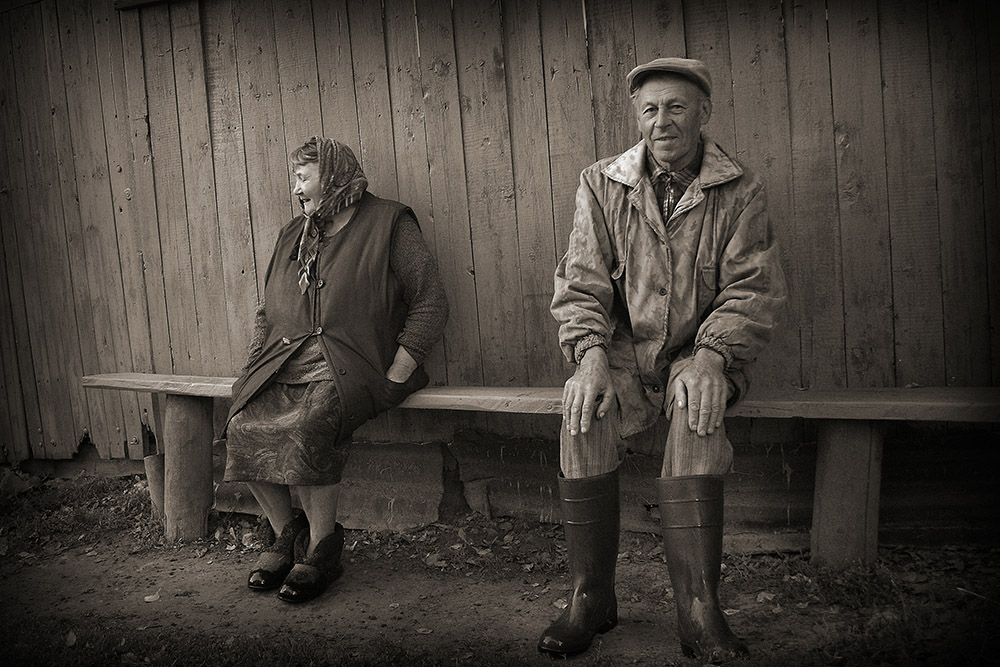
(706, 110)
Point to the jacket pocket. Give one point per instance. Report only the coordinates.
(707, 288)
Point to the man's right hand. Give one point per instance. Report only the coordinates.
(590, 383)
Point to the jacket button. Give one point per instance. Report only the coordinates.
(663, 291)
(342, 371)
(319, 283)
(319, 330)
(286, 341)
(656, 389)
(350, 417)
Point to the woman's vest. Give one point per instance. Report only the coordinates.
(354, 304)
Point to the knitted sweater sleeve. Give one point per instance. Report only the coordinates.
(258, 336)
(423, 291)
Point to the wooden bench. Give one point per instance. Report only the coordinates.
(848, 465)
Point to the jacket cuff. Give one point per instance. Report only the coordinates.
(716, 345)
(587, 342)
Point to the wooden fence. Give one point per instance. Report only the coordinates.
(143, 176)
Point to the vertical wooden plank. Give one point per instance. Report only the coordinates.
(568, 109)
(55, 341)
(862, 190)
(264, 139)
(337, 97)
(612, 57)
(142, 193)
(658, 26)
(912, 197)
(987, 24)
(410, 140)
(760, 101)
(128, 205)
(101, 407)
(483, 96)
(71, 344)
(846, 496)
(957, 139)
(533, 192)
(14, 406)
(171, 207)
(40, 237)
(448, 230)
(98, 234)
(706, 31)
(371, 82)
(13, 195)
(297, 71)
(816, 273)
(231, 195)
(199, 188)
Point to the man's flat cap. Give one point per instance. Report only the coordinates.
(694, 70)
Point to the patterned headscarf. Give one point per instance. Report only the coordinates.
(343, 184)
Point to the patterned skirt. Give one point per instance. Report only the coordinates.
(289, 434)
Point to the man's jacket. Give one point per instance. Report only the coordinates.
(708, 277)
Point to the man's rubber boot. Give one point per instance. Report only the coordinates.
(591, 520)
(691, 521)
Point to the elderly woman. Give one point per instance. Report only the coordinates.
(353, 305)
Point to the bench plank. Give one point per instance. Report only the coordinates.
(963, 404)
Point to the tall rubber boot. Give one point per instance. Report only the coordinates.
(691, 520)
(591, 519)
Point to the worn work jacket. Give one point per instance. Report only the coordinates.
(354, 304)
(654, 289)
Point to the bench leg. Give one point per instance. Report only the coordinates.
(845, 504)
(187, 474)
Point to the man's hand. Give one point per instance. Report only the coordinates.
(590, 382)
(702, 388)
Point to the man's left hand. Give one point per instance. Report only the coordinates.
(703, 390)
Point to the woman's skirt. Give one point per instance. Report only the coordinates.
(289, 434)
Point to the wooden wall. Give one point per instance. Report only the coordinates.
(143, 177)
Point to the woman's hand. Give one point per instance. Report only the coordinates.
(403, 364)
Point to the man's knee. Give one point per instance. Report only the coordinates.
(596, 452)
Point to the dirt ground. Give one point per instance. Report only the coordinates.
(85, 579)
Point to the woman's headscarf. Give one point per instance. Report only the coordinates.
(343, 184)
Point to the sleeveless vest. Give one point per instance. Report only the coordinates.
(354, 304)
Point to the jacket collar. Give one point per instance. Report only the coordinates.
(716, 167)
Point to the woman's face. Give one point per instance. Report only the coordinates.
(307, 188)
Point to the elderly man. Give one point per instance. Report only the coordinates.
(669, 289)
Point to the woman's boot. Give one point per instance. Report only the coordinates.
(691, 521)
(590, 516)
(313, 574)
(276, 561)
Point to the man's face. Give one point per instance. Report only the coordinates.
(307, 186)
(671, 112)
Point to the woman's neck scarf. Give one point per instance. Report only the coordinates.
(343, 184)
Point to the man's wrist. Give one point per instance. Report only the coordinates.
(710, 356)
(587, 343)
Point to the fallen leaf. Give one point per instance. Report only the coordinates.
(70, 638)
(561, 603)
(764, 596)
(424, 631)
(154, 597)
